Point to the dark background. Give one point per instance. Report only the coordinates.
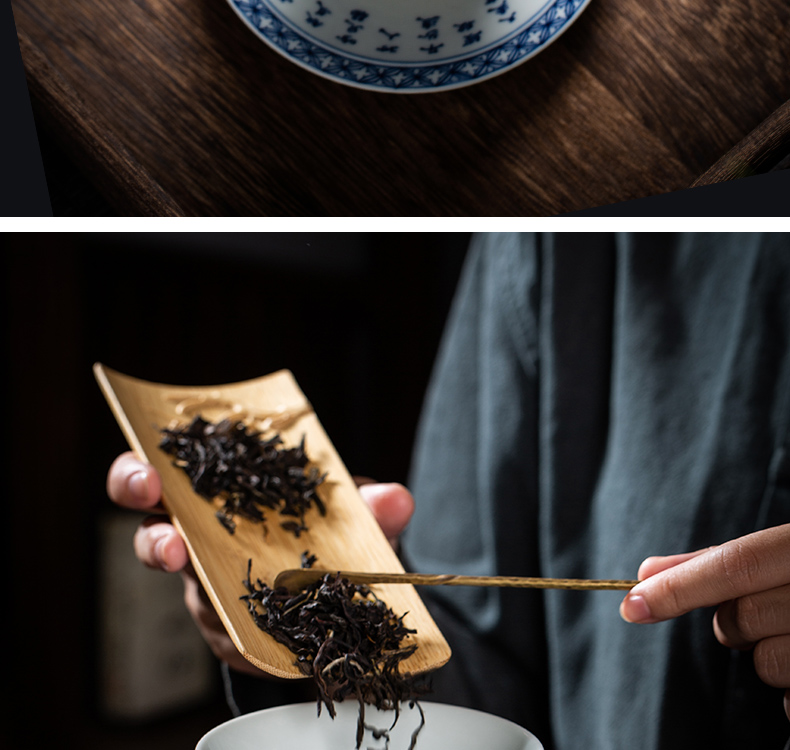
(356, 317)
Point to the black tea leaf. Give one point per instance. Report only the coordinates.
(344, 637)
(248, 473)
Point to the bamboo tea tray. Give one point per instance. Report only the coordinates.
(347, 537)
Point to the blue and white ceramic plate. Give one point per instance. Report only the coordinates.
(408, 46)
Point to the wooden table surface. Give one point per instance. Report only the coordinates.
(174, 107)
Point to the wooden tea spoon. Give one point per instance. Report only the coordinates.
(298, 578)
(347, 537)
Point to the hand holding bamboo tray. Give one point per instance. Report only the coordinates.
(347, 537)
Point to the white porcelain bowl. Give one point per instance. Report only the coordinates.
(408, 46)
(297, 727)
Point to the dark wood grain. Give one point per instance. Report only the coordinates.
(88, 140)
(763, 150)
(637, 98)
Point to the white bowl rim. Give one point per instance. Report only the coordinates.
(351, 704)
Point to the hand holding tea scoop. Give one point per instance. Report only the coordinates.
(748, 579)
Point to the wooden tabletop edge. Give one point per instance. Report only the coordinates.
(758, 152)
(103, 159)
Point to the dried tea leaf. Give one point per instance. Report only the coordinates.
(248, 473)
(344, 637)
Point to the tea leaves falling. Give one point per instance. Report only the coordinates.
(248, 473)
(345, 638)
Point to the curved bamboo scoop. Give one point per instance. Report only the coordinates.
(347, 536)
(297, 579)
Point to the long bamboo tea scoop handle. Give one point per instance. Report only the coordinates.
(295, 580)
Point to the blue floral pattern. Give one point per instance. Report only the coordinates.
(356, 43)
